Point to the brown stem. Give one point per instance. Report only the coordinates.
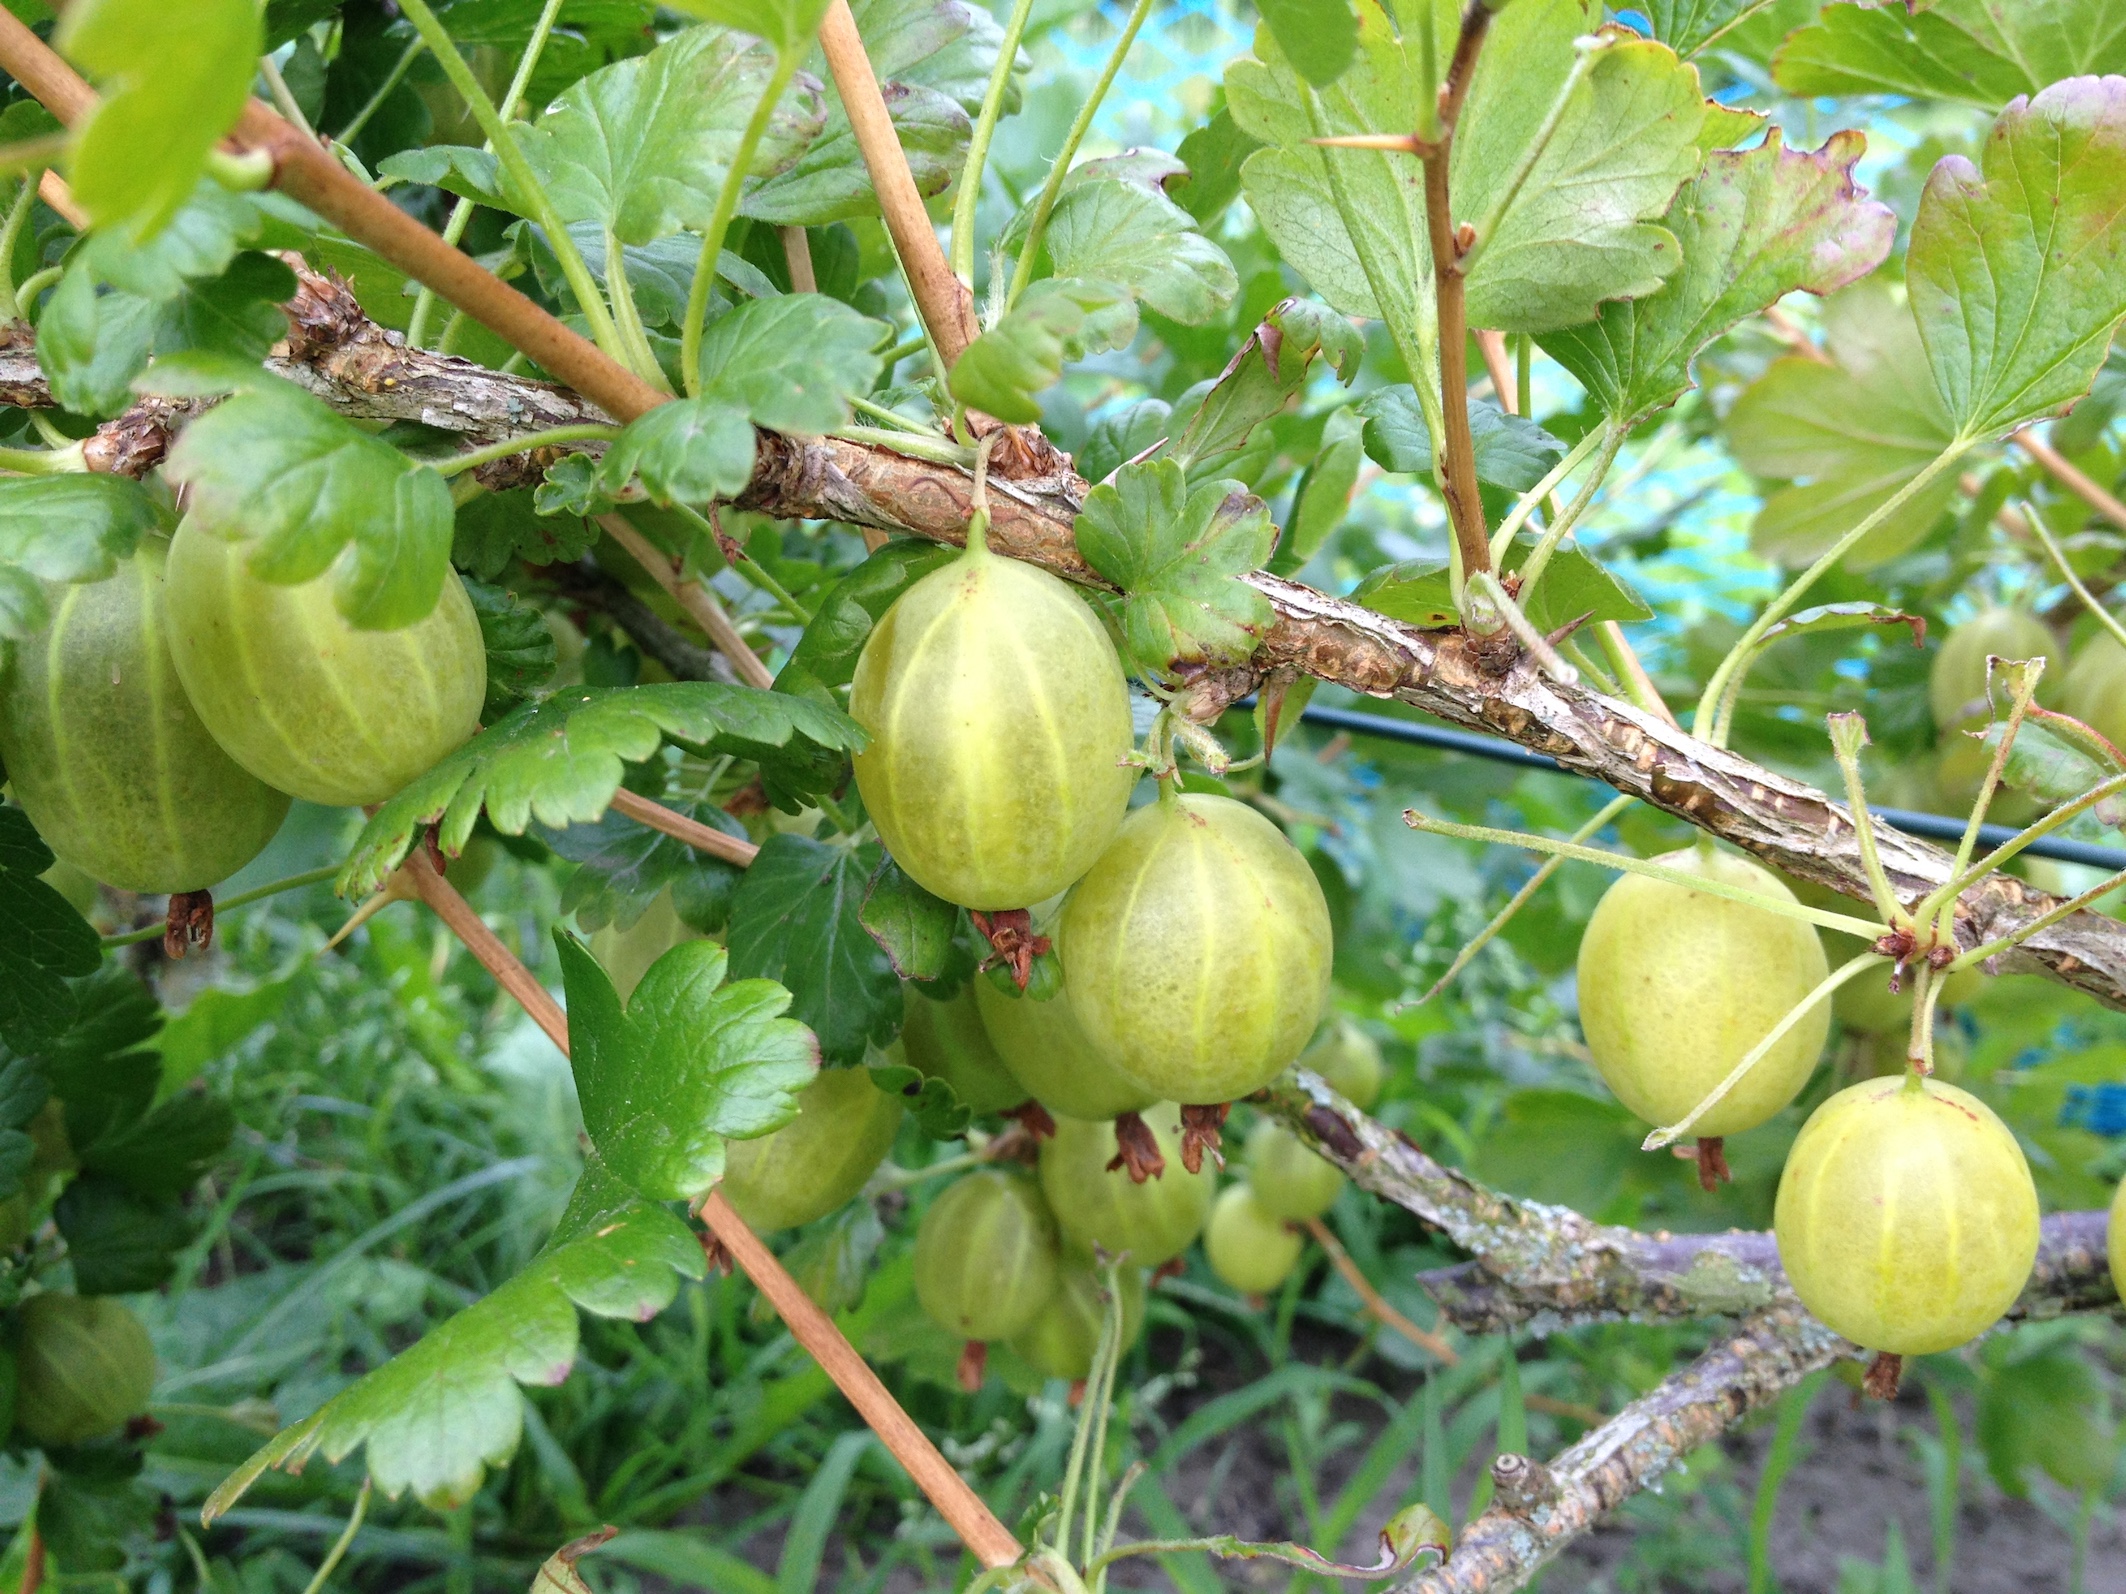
(797, 254)
(732, 849)
(696, 599)
(1373, 1301)
(944, 303)
(2070, 475)
(812, 1328)
(1492, 346)
(962, 1509)
(1465, 508)
(52, 189)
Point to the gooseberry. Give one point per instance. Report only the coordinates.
(1348, 1061)
(947, 1040)
(626, 955)
(108, 758)
(1291, 1180)
(83, 1366)
(1250, 1249)
(1150, 1223)
(2096, 686)
(1677, 985)
(819, 1160)
(986, 1256)
(1066, 1334)
(1956, 682)
(1906, 1217)
(1197, 949)
(999, 719)
(1047, 1051)
(302, 699)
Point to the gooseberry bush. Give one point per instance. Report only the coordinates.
(756, 518)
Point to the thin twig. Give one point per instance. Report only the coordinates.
(705, 838)
(338, 1552)
(1374, 1302)
(946, 307)
(1492, 346)
(692, 596)
(2070, 476)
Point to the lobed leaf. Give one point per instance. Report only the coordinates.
(173, 80)
(1977, 51)
(274, 466)
(1262, 377)
(520, 647)
(914, 928)
(1057, 319)
(1131, 235)
(42, 940)
(622, 866)
(687, 1062)
(559, 760)
(437, 1415)
(825, 656)
(830, 182)
(797, 919)
(2017, 272)
(1512, 451)
(65, 529)
(791, 363)
(1575, 587)
(494, 528)
(1688, 26)
(1754, 226)
(1175, 551)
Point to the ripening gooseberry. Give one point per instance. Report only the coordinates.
(1348, 1060)
(2096, 686)
(1150, 1223)
(818, 1161)
(1047, 1051)
(1066, 1334)
(1906, 1217)
(107, 756)
(1198, 949)
(1956, 681)
(83, 1365)
(1247, 1247)
(986, 1256)
(999, 718)
(304, 700)
(947, 1040)
(1677, 985)
(626, 955)
(1291, 1180)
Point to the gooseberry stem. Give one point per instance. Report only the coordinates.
(2059, 817)
(985, 126)
(1532, 500)
(1794, 1015)
(1538, 559)
(1486, 585)
(294, 882)
(1919, 1050)
(1849, 733)
(2036, 523)
(1867, 929)
(511, 447)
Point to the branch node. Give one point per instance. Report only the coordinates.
(1524, 1484)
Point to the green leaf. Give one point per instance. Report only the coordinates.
(688, 451)
(93, 1511)
(1566, 220)
(1059, 318)
(1848, 434)
(275, 466)
(1688, 26)
(474, 174)
(641, 147)
(173, 80)
(520, 647)
(1130, 234)
(1978, 51)
(560, 760)
(237, 313)
(1754, 227)
(23, 1092)
(825, 656)
(914, 928)
(1263, 376)
(437, 1416)
(92, 345)
(932, 1102)
(1574, 586)
(624, 865)
(42, 940)
(830, 183)
(494, 528)
(2047, 766)
(1319, 37)
(1212, 156)
(688, 1062)
(119, 1241)
(797, 919)
(2017, 275)
(1512, 451)
(1849, 616)
(1323, 495)
(2046, 1410)
(786, 24)
(65, 529)
(791, 363)
(1175, 552)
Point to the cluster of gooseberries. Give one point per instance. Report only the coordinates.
(157, 727)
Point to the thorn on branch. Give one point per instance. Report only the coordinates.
(1137, 1150)
(189, 923)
